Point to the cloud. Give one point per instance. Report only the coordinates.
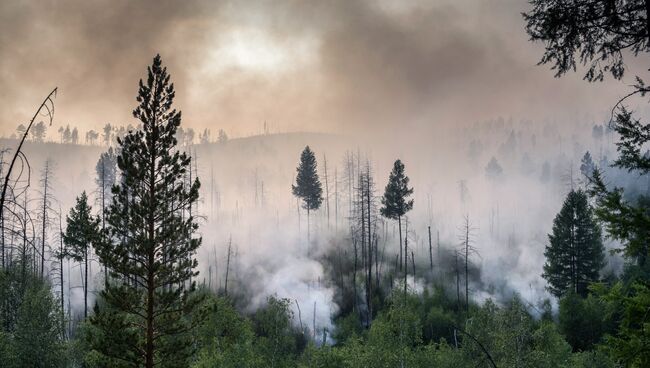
(325, 66)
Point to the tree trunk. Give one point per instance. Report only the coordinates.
(370, 259)
(86, 283)
(151, 256)
(399, 223)
(104, 217)
(61, 276)
(457, 282)
(44, 220)
(228, 266)
(406, 242)
(430, 253)
(467, 265)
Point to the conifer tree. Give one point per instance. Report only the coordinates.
(587, 166)
(395, 202)
(308, 186)
(81, 233)
(106, 169)
(575, 254)
(144, 318)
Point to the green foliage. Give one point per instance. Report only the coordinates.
(394, 202)
(513, 338)
(583, 321)
(591, 359)
(629, 345)
(347, 327)
(308, 186)
(277, 341)
(150, 244)
(81, 233)
(37, 338)
(589, 32)
(225, 338)
(438, 325)
(626, 221)
(575, 254)
(82, 230)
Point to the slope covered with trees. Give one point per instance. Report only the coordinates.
(370, 292)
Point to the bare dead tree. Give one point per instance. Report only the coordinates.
(327, 190)
(430, 251)
(467, 249)
(46, 109)
(59, 256)
(45, 208)
(228, 265)
(336, 200)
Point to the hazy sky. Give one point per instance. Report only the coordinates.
(299, 65)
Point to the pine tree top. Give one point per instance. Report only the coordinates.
(308, 185)
(82, 229)
(394, 202)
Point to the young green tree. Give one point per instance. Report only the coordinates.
(82, 232)
(575, 254)
(37, 339)
(308, 186)
(143, 320)
(395, 202)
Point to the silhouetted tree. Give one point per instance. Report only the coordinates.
(82, 232)
(67, 135)
(575, 254)
(74, 136)
(108, 133)
(21, 130)
(205, 136)
(587, 166)
(493, 170)
(151, 244)
(222, 137)
(38, 131)
(395, 202)
(308, 187)
(106, 170)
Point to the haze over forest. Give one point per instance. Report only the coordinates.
(493, 146)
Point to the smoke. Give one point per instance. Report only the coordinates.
(417, 80)
(364, 66)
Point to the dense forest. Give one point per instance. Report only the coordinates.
(148, 245)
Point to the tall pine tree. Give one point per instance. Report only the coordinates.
(144, 318)
(106, 169)
(82, 232)
(575, 254)
(395, 202)
(308, 186)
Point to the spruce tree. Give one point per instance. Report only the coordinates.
(81, 233)
(575, 254)
(308, 186)
(143, 320)
(395, 202)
